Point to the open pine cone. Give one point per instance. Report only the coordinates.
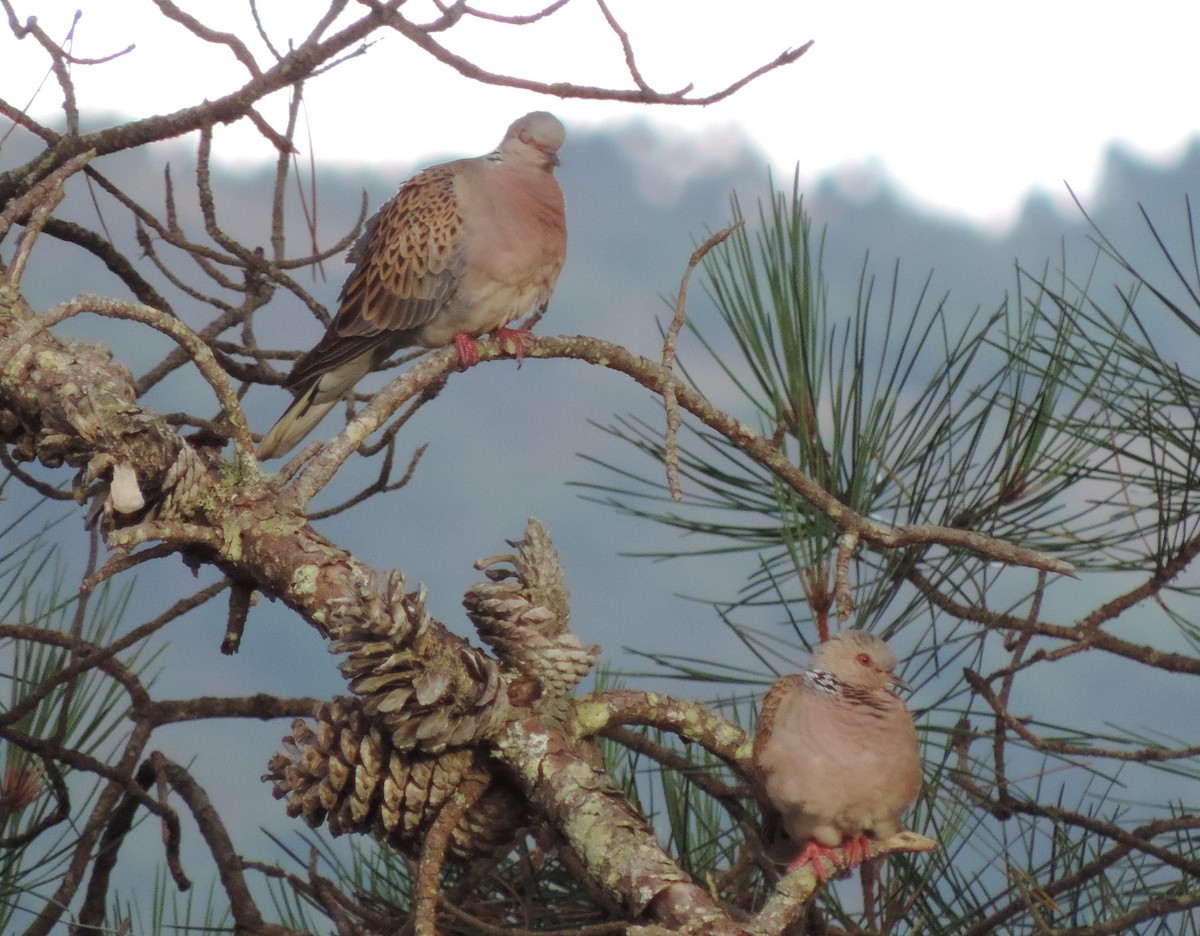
(522, 613)
(348, 773)
(429, 689)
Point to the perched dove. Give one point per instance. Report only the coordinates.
(835, 751)
(463, 248)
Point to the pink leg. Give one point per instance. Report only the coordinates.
(468, 353)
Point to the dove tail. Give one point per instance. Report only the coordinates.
(297, 421)
(329, 380)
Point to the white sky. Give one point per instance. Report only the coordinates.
(965, 106)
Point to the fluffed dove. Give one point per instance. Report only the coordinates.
(835, 751)
(464, 247)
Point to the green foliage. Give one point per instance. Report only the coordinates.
(908, 416)
(42, 701)
(1054, 422)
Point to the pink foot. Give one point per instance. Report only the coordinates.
(468, 352)
(512, 341)
(811, 855)
(516, 336)
(851, 854)
(855, 850)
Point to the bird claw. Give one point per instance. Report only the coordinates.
(851, 853)
(855, 850)
(812, 855)
(515, 336)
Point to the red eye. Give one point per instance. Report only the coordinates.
(864, 659)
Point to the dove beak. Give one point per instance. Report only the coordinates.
(898, 683)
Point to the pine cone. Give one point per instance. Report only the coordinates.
(188, 481)
(523, 614)
(427, 688)
(348, 773)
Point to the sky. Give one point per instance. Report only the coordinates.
(964, 107)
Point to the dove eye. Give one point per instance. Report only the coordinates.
(864, 659)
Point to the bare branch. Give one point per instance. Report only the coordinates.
(690, 720)
(33, 209)
(198, 29)
(727, 796)
(469, 69)
(1079, 637)
(525, 20)
(302, 61)
(58, 60)
(656, 378)
(229, 862)
(670, 401)
(627, 48)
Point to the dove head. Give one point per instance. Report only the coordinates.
(535, 139)
(858, 659)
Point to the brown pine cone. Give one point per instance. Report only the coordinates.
(523, 614)
(349, 774)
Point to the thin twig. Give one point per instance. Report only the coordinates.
(382, 484)
(616, 928)
(674, 420)
(627, 48)
(245, 911)
(469, 69)
(433, 854)
(1088, 872)
(45, 490)
(95, 902)
(1081, 636)
(124, 561)
(200, 31)
(262, 707)
(33, 208)
(521, 20)
(696, 774)
(689, 720)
